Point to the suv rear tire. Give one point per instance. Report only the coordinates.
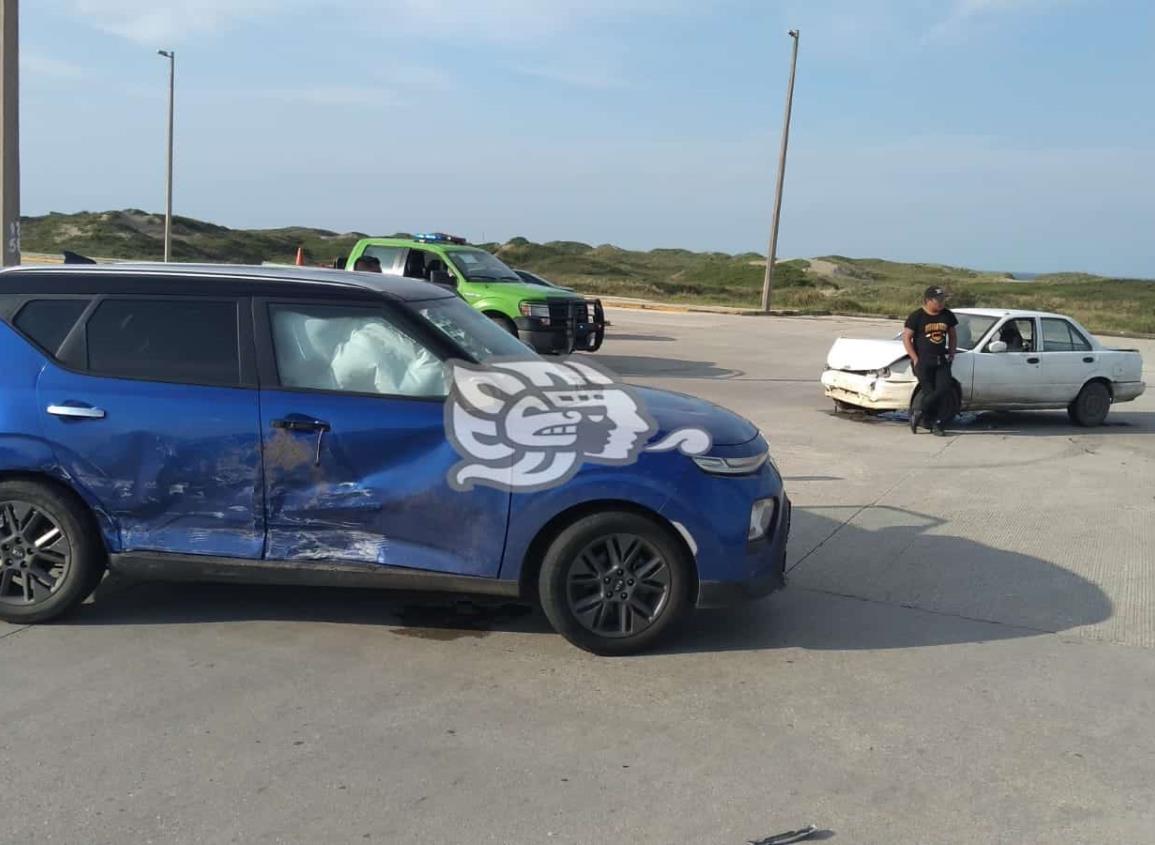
(51, 558)
(615, 583)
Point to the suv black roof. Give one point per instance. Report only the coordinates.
(215, 279)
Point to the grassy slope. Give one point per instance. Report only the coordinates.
(834, 283)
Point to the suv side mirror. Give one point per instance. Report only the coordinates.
(997, 346)
(443, 278)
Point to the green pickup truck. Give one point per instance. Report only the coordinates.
(551, 320)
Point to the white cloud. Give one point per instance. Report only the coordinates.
(161, 22)
(965, 12)
(521, 20)
(170, 21)
(39, 66)
(597, 76)
(325, 95)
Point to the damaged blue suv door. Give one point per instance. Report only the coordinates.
(146, 410)
(355, 453)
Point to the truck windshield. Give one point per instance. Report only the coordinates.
(476, 334)
(480, 265)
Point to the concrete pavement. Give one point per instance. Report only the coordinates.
(964, 654)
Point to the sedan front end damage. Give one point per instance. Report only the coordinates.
(871, 374)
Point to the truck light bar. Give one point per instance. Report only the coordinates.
(439, 238)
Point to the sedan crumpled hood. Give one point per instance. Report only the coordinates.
(864, 355)
(673, 411)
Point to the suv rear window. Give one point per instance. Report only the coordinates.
(177, 341)
(48, 321)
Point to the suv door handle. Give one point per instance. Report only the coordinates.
(81, 412)
(1032, 360)
(305, 424)
(1090, 359)
(301, 424)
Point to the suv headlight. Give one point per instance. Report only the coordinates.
(731, 466)
(538, 310)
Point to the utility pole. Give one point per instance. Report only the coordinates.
(10, 132)
(171, 56)
(768, 281)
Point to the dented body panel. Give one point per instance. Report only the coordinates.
(380, 492)
(177, 467)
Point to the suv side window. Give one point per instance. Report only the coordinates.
(351, 349)
(179, 340)
(48, 321)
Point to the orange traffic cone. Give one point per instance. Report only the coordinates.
(300, 256)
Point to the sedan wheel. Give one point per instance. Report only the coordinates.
(1091, 406)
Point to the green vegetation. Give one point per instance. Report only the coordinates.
(139, 235)
(829, 284)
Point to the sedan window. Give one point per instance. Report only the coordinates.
(971, 329)
(1061, 336)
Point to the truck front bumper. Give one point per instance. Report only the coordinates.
(551, 340)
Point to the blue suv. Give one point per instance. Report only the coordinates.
(265, 425)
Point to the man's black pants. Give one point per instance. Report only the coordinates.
(934, 386)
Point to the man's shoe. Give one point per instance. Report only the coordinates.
(938, 430)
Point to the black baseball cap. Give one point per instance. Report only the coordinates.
(934, 292)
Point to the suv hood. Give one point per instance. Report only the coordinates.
(864, 355)
(672, 411)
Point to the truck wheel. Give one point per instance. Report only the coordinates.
(615, 583)
(504, 322)
(51, 558)
(1091, 405)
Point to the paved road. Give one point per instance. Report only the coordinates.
(965, 654)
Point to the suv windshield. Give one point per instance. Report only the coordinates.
(476, 334)
(480, 265)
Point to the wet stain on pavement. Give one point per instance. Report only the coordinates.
(460, 620)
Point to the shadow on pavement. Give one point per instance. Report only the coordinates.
(121, 601)
(1020, 423)
(642, 365)
(854, 590)
(649, 338)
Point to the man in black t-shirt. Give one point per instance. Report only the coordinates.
(931, 342)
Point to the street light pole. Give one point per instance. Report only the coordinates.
(768, 280)
(9, 133)
(171, 56)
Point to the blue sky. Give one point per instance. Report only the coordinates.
(1003, 134)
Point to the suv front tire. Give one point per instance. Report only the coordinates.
(615, 583)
